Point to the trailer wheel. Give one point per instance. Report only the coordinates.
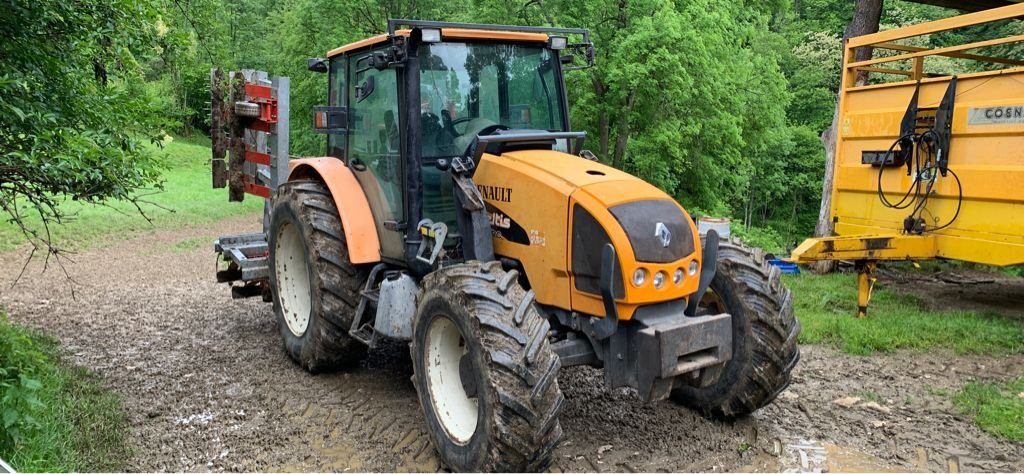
(485, 372)
(314, 286)
(764, 335)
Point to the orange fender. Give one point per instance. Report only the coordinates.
(353, 208)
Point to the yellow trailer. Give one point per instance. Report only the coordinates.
(929, 163)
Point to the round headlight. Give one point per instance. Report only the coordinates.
(639, 277)
(677, 277)
(659, 280)
(693, 267)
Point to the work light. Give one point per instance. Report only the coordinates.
(557, 42)
(430, 35)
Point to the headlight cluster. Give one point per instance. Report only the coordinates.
(658, 280)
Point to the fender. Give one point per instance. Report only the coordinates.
(353, 208)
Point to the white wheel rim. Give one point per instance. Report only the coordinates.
(457, 412)
(292, 270)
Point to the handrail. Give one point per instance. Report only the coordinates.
(972, 57)
(970, 19)
(939, 51)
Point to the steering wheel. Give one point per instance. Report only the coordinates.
(458, 121)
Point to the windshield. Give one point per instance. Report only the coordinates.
(467, 88)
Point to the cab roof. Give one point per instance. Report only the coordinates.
(446, 34)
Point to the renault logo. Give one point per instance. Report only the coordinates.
(663, 234)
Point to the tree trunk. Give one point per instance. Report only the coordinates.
(622, 131)
(602, 118)
(866, 16)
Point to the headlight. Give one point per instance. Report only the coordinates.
(659, 280)
(639, 277)
(693, 267)
(677, 277)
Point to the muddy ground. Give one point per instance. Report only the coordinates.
(207, 387)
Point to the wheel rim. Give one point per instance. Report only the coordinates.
(455, 409)
(292, 269)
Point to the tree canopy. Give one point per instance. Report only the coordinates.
(718, 102)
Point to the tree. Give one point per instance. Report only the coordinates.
(73, 108)
(866, 17)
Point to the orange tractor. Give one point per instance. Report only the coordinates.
(457, 211)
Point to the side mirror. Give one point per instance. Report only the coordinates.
(316, 64)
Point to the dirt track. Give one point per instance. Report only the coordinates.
(208, 387)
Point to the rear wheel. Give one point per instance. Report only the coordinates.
(485, 372)
(314, 286)
(764, 332)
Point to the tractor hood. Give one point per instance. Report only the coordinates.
(555, 212)
(584, 179)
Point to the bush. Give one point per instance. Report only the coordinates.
(765, 238)
(20, 363)
(55, 418)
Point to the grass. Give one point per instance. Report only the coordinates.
(187, 193)
(192, 243)
(827, 304)
(56, 417)
(997, 408)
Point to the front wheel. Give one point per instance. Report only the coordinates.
(764, 334)
(485, 373)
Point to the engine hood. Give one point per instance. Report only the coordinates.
(607, 185)
(554, 213)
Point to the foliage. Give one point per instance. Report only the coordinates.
(54, 418)
(827, 306)
(72, 106)
(187, 199)
(718, 102)
(998, 408)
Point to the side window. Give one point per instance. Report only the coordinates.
(374, 148)
(337, 80)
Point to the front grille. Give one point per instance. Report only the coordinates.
(640, 220)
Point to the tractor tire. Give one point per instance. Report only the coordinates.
(764, 334)
(314, 287)
(485, 372)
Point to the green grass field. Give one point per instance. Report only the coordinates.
(187, 193)
(997, 407)
(827, 304)
(55, 417)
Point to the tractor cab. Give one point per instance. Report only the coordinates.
(404, 106)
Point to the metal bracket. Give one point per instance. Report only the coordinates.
(472, 200)
(431, 240)
(603, 328)
(709, 265)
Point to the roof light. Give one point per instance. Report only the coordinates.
(430, 35)
(557, 42)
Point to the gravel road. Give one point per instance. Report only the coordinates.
(207, 387)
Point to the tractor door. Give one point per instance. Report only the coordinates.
(375, 148)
